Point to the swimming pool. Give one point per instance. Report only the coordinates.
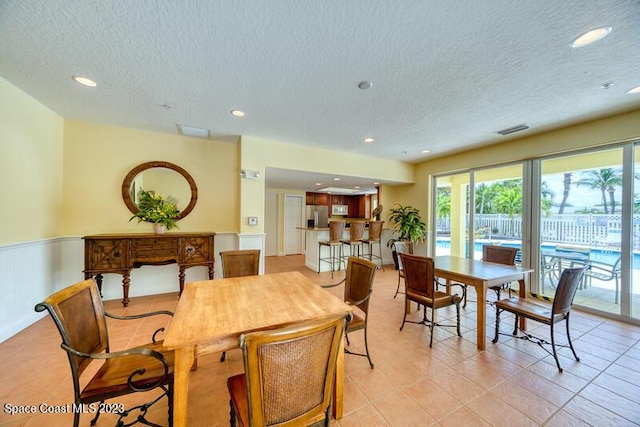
(607, 256)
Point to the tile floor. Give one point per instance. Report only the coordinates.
(513, 383)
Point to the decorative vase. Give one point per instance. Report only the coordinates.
(159, 228)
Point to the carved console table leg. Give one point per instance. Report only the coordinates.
(181, 276)
(126, 280)
(99, 283)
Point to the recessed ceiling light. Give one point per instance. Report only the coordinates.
(590, 37)
(84, 81)
(237, 113)
(425, 151)
(356, 187)
(336, 179)
(376, 183)
(369, 140)
(318, 183)
(634, 91)
(364, 85)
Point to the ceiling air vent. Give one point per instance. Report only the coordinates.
(513, 129)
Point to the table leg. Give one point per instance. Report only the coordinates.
(184, 358)
(338, 384)
(481, 337)
(523, 294)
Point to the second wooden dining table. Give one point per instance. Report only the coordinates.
(481, 275)
(212, 314)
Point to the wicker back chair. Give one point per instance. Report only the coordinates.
(240, 263)
(540, 312)
(81, 320)
(422, 287)
(356, 231)
(289, 374)
(358, 287)
(500, 255)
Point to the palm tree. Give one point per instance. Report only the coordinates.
(509, 201)
(565, 194)
(604, 180)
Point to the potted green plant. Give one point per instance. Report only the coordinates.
(407, 226)
(161, 212)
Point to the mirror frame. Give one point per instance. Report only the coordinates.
(126, 185)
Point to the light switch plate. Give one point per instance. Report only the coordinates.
(253, 220)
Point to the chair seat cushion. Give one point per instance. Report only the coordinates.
(527, 308)
(440, 299)
(111, 379)
(237, 386)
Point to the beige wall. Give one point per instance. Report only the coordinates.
(31, 140)
(98, 157)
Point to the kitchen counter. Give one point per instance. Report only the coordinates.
(315, 235)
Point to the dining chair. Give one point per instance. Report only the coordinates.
(79, 315)
(358, 287)
(605, 272)
(239, 263)
(544, 313)
(422, 287)
(401, 248)
(288, 374)
(375, 233)
(500, 255)
(336, 228)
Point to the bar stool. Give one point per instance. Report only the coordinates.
(356, 231)
(375, 231)
(336, 228)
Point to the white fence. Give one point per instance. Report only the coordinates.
(580, 229)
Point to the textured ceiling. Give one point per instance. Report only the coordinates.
(446, 74)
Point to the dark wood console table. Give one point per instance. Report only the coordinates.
(120, 253)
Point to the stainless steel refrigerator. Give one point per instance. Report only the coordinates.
(317, 216)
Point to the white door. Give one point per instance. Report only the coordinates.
(271, 224)
(293, 220)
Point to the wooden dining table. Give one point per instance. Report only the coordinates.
(481, 275)
(212, 314)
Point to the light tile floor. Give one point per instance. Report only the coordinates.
(513, 383)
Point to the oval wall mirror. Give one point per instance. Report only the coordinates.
(165, 178)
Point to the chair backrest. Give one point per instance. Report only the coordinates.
(290, 371)
(499, 254)
(566, 289)
(359, 281)
(402, 248)
(419, 273)
(79, 315)
(356, 230)
(336, 228)
(240, 263)
(375, 230)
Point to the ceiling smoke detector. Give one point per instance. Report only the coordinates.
(513, 129)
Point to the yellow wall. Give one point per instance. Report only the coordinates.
(610, 130)
(98, 157)
(31, 139)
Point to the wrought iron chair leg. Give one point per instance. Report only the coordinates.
(404, 318)
(495, 337)
(232, 414)
(346, 338)
(569, 339)
(223, 356)
(397, 287)
(515, 326)
(170, 403)
(458, 319)
(553, 347)
(366, 347)
(95, 419)
(432, 325)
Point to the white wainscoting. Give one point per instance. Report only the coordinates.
(31, 271)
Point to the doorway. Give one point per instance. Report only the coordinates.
(293, 224)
